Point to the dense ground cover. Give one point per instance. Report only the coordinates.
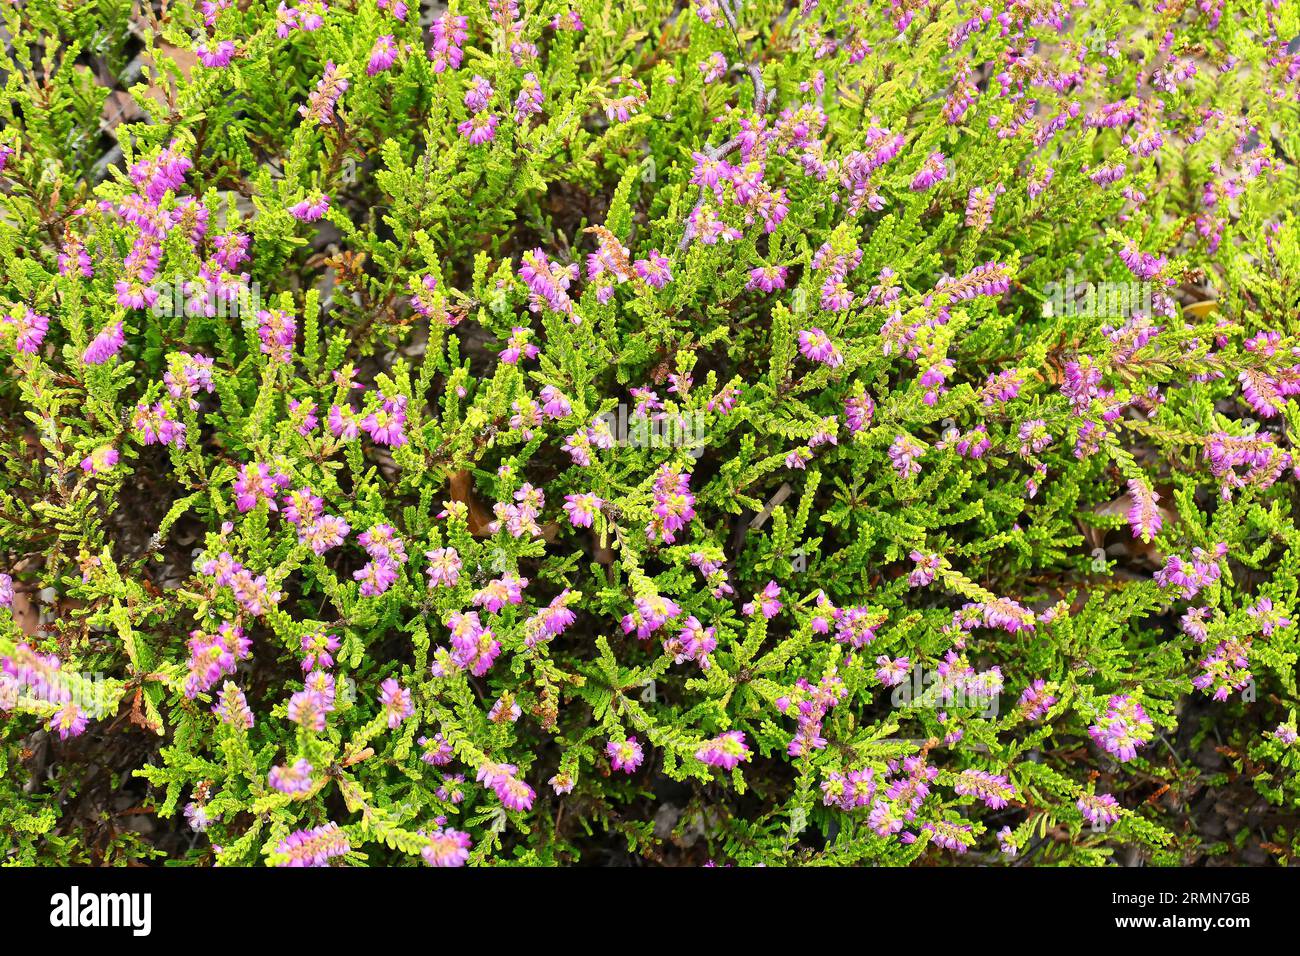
(558, 432)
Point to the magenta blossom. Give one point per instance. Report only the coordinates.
(101, 460)
(104, 345)
(396, 701)
(727, 750)
(816, 346)
(625, 755)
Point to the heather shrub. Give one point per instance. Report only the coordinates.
(557, 432)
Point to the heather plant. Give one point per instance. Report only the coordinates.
(736, 432)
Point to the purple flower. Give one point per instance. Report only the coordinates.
(1123, 728)
(314, 847)
(727, 750)
(1034, 437)
(571, 20)
(927, 566)
(311, 208)
(991, 788)
(214, 655)
(816, 346)
(625, 755)
(654, 269)
(232, 708)
(583, 509)
(451, 790)
(382, 55)
(277, 330)
(529, 101)
(903, 454)
(257, 483)
(649, 614)
(1035, 701)
(554, 404)
(104, 345)
(1005, 842)
(480, 128)
(318, 649)
(444, 567)
(856, 626)
(437, 750)
(932, 171)
(303, 415)
(507, 589)
(694, 642)
(162, 173)
(216, 55)
(518, 347)
(386, 424)
(187, 375)
(198, 816)
(102, 459)
(307, 709)
(291, 779)
(478, 95)
(446, 847)
(1143, 516)
(974, 443)
(767, 278)
(673, 506)
(376, 577)
(551, 621)
(1001, 614)
(396, 701)
(28, 329)
(622, 108)
(343, 422)
(329, 531)
(322, 682)
(322, 101)
(958, 837)
(979, 205)
(68, 721)
(73, 258)
(449, 33)
(474, 647)
(382, 542)
(1269, 620)
(505, 710)
(547, 283)
(1189, 577)
(858, 411)
(891, 673)
(766, 602)
(513, 793)
(1002, 387)
(303, 506)
(714, 67)
(1108, 174)
(1100, 809)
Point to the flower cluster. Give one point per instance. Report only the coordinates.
(869, 426)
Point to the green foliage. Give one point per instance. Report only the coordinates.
(868, 434)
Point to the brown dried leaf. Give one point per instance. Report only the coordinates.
(462, 490)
